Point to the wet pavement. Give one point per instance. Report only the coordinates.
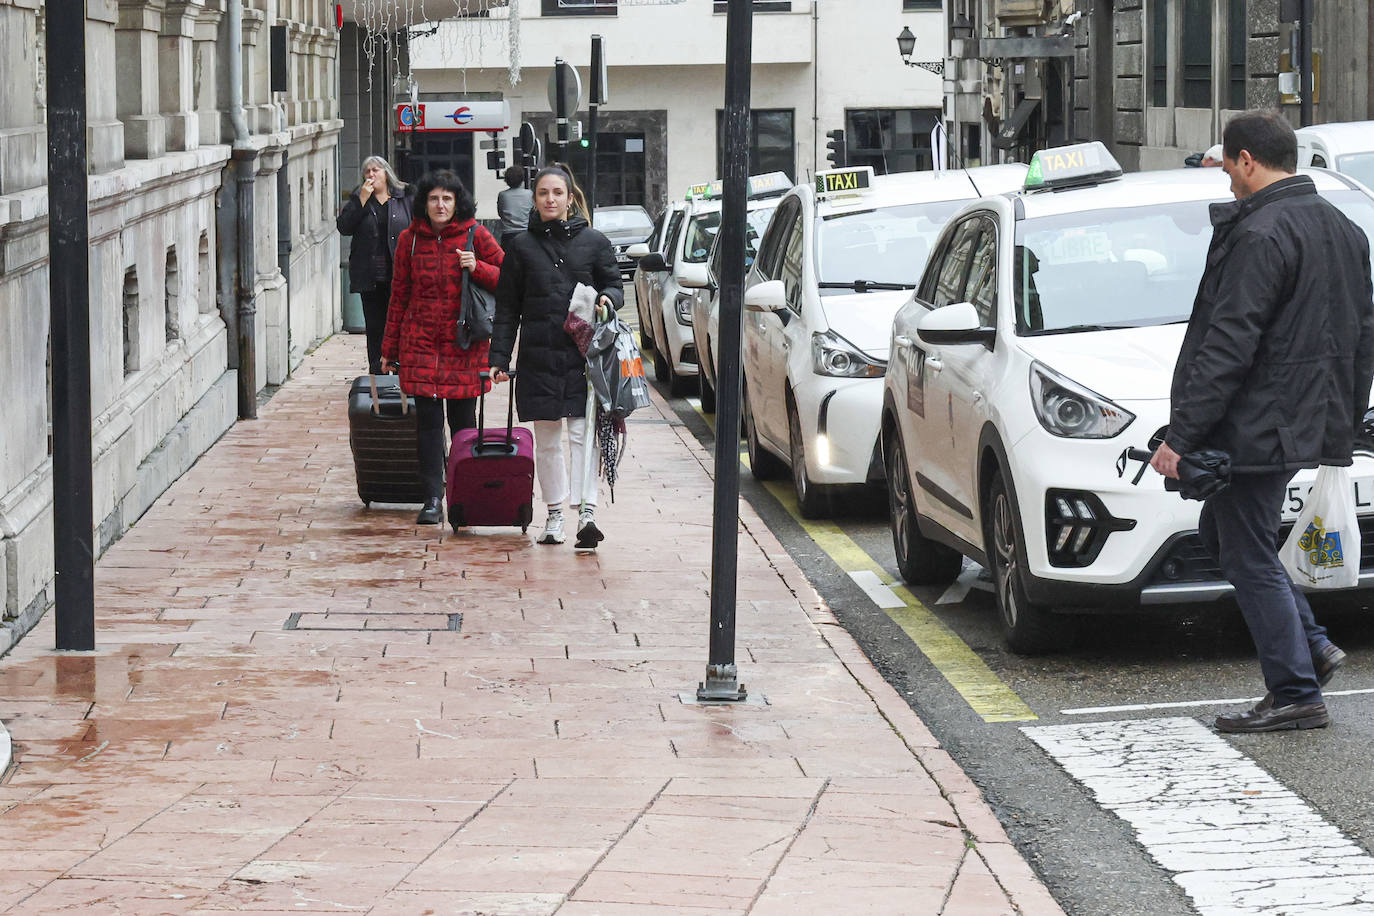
(298, 704)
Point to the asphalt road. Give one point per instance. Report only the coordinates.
(1192, 656)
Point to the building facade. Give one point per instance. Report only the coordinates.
(213, 256)
(1158, 79)
(819, 65)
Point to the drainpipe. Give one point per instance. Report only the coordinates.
(245, 163)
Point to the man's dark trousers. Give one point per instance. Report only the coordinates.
(1239, 526)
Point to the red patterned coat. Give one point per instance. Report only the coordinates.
(426, 295)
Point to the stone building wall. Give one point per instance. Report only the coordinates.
(162, 250)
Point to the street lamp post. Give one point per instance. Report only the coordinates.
(906, 46)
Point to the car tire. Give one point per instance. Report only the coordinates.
(763, 464)
(813, 500)
(708, 393)
(663, 369)
(1027, 628)
(920, 560)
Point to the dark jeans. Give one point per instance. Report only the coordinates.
(430, 441)
(374, 320)
(1240, 527)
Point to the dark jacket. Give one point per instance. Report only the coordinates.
(533, 297)
(369, 260)
(1277, 361)
(426, 296)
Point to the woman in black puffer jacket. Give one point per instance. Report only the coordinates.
(541, 268)
(375, 215)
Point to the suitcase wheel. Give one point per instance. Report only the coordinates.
(523, 516)
(456, 518)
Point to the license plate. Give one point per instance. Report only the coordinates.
(1296, 499)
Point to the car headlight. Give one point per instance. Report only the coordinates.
(1067, 409)
(683, 305)
(834, 356)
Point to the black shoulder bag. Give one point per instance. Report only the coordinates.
(478, 309)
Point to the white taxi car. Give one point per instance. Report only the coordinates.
(1346, 147)
(1029, 369)
(705, 307)
(837, 261)
(650, 267)
(682, 269)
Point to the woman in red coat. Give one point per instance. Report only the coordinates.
(432, 264)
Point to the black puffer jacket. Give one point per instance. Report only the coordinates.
(532, 298)
(1277, 361)
(375, 230)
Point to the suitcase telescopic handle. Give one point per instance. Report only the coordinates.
(376, 401)
(482, 409)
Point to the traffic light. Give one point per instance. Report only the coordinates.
(836, 153)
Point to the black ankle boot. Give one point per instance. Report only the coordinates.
(432, 513)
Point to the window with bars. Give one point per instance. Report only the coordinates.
(1195, 87)
(772, 142)
(578, 7)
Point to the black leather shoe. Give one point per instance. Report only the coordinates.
(432, 513)
(1265, 718)
(1326, 662)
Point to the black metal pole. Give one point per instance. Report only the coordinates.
(591, 165)
(722, 683)
(1307, 85)
(560, 113)
(70, 298)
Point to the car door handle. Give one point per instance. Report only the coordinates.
(934, 365)
(786, 345)
(902, 340)
(977, 397)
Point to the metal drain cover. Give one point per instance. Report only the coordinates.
(374, 622)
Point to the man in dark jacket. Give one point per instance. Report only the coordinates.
(1275, 369)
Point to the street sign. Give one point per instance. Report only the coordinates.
(493, 143)
(572, 89)
(457, 114)
(601, 89)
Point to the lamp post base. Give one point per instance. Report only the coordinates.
(721, 686)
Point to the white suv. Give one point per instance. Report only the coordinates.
(1031, 368)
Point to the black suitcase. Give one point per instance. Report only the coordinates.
(381, 432)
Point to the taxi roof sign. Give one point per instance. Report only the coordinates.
(850, 182)
(769, 184)
(1065, 166)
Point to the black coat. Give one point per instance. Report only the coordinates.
(1277, 361)
(369, 260)
(532, 298)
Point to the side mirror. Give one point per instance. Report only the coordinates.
(768, 296)
(693, 276)
(954, 324)
(653, 262)
(637, 250)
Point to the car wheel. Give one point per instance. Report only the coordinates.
(708, 393)
(813, 501)
(663, 370)
(679, 386)
(1028, 628)
(763, 464)
(920, 560)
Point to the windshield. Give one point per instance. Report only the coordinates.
(886, 245)
(701, 232)
(624, 221)
(1132, 267)
(1359, 166)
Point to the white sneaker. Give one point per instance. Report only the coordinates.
(553, 528)
(588, 535)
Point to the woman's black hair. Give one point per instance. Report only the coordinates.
(464, 206)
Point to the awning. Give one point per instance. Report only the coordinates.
(1011, 128)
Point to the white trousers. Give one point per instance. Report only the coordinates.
(551, 461)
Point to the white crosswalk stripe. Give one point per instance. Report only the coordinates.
(1236, 840)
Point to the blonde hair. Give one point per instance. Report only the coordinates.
(391, 179)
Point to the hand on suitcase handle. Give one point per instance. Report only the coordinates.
(497, 375)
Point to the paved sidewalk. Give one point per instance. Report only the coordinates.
(281, 715)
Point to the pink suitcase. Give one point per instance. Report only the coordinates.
(491, 474)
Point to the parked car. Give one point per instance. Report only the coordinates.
(649, 271)
(683, 268)
(1035, 355)
(1346, 147)
(624, 226)
(836, 263)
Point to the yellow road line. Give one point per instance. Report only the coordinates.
(983, 690)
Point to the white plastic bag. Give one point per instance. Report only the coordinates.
(1323, 549)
